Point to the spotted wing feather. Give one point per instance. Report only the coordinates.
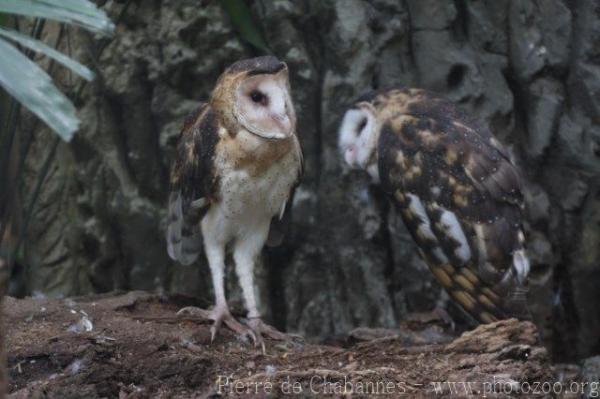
(193, 185)
(459, 195)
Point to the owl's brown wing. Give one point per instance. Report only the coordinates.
(193, 185)
(459, 195)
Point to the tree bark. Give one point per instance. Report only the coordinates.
(3, 286)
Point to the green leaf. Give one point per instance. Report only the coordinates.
(33, 88)
(241, 18)
(40, 47)
(82, 13)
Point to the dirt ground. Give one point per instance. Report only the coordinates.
(133, 346)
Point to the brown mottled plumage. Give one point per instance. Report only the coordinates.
(193, 185)
(457, 191)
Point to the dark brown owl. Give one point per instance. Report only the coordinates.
(456, 189)
(238, 161)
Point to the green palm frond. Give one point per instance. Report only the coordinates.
(81, 13)
(40, 47)
(25, 80)
(32, 87)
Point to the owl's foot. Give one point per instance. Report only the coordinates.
(219, 315)
(262, 329)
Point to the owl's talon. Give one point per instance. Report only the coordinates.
(261, 329)
(219, 316)
(237, 327)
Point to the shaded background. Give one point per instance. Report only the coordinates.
(529, 69)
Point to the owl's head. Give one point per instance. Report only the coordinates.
(361, 126)
(254, 94)
(358, 136)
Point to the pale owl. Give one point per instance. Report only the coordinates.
(238, 162)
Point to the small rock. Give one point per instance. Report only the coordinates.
(83, 325)
(75, 367)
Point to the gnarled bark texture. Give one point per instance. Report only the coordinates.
(3, 286)
(529, 69)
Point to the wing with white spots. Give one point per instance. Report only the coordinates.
(193, 185)
(460, 197)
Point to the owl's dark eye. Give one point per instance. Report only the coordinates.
(361, 126)
(257, 97)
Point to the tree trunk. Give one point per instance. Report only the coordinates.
(3, 286)
(3, 382)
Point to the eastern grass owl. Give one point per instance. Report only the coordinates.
(238, 162)
(456, 189)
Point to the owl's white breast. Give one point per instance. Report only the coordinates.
(248, 201)
(243, 194)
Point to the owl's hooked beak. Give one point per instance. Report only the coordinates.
(285, 120)
(285, 125)
(350, 155)
(285, 129)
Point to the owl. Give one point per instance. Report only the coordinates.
(456, 190)
(238, 161)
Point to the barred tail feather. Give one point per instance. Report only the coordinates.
(483, 301)
(466, 288)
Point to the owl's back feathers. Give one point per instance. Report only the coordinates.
(459, 195)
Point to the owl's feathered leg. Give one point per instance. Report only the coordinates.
(244, 255)
(215, 253)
